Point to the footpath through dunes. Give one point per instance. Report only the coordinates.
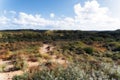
(46, 48)
(9, 75)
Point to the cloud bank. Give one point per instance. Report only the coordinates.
(91, 16)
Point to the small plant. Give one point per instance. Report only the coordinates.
(25, 77)
(20, 64)
(2, 68)
(116, 56)
(46, 56)
(117, 49)
(88, 50)
(75, 72)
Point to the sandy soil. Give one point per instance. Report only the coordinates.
(9, 75)
(43, 50)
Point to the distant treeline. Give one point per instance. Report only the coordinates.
(58, 35)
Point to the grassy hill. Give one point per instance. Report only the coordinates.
(44, 35)
(60, 55)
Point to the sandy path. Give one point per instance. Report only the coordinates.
(44, 50)
(9, 75)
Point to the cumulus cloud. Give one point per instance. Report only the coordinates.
(52, 15)
(91, 16)
(4, 20)
(31, 20)
(91, 11)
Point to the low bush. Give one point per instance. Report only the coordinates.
(117, 48)
(89, 50)
(20, 64)
(2, 68)
(75, 72)
(116, 56)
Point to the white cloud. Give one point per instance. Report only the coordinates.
(4, 20)
(31, 20)
(91, 16)
(91, 11)
(52, 15)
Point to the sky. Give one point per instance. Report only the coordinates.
(60, 14)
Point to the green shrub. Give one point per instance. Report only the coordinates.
(116, 56)
(20, 64)
(113, 46)
(2, 68)
(75, 72)
(71, 73)
(25, 77)
(89, 50)
(117, 49)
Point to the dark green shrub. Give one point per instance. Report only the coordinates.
(70, 73)
(74, 72)
(116, 56)
(89, 50)
(117, 49)
(25, 77)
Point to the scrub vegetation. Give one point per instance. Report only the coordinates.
(60, 55)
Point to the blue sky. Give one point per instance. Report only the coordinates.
(60, 14)
(44, 7)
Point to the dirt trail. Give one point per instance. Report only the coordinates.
(9, 75)
(45, 49)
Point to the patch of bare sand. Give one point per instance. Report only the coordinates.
(47, 48)
(43, 50)
(9, 75)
